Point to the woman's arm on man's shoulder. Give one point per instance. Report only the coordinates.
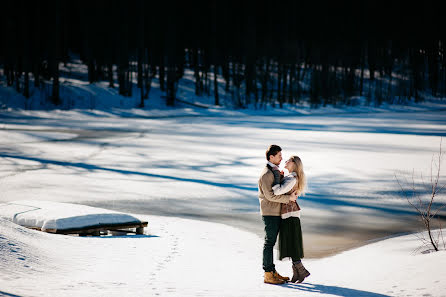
(285, 186)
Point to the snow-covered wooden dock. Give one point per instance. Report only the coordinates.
(68, 218)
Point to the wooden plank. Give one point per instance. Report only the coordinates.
(103, 228)
(95, 230)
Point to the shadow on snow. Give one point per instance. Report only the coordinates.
(332, 290)
(128, 172)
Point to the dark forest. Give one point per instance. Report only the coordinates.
(276, 52)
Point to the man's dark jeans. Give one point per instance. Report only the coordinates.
(272, 227)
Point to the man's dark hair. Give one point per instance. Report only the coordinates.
(272, 151)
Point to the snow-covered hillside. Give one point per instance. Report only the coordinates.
(76, 93)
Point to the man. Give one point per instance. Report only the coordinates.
(270, 205)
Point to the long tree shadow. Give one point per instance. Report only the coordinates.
(327, 199)
(350, 122)
(128, 172)
(2, 293)
(332, 290)
(333, 200)
(354, 123)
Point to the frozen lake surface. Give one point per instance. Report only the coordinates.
(206, 167)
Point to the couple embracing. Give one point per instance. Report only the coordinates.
(281, 214)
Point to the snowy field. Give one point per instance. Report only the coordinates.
(179, 257)
(203, 165)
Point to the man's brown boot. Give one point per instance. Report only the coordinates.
(277, 275)
(271, 279)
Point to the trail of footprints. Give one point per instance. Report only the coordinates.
(163, 263)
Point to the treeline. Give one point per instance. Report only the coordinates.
(325, 52)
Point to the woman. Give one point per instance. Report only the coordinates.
(290, 236)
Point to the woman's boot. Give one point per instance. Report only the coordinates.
(295, 274)
(301, 272)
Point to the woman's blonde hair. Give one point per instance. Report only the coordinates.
(301, 179)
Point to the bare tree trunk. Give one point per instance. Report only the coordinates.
(298, 83)
(140, 65)
(291, 84)
(162, 73)
(142, 60)
(55, 95)
(141, 103)
(110, 76)
(284, 84)
(279, 84)
(196, 71)
(433, 242)
(171, 85)
(17, 81)
(226, 75)
(217, 101)
(361, 82)
(36, 74)
(26, 86)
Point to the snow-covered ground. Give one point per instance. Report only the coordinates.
(164, 165)
(180, 257)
